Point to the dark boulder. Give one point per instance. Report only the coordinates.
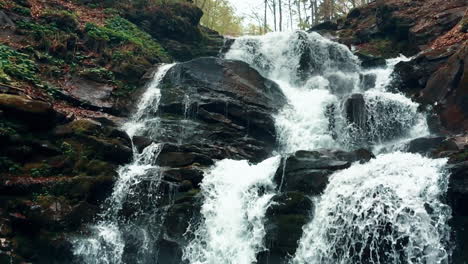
(367, 81)
(432, 146)
(449, 90)
(369, 61)
(327, 25)
(457, 196)
(308, 171)
(286, 217)
(224, 108)
(37, 114)
(355, 110)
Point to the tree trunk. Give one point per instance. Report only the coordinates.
(312, 17)
(265, 25)
(290, 14)
(280, 15)
(298, 3)
(316, 12)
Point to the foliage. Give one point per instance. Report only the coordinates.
(7, 165)
(61, 19)
(67, 149)
(7, 128)
(380, 47)
(22, 10)
(219, 15)
(42, 171)
(119, 31)
(98, 74)
(14, 64)
(48, 36)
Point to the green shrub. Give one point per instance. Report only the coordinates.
(119, 32)
(61, 19)
(22, 10)
(17, 65)
(42, 171)
(98, 74)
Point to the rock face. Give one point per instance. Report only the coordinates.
(439, 78)
(435, 30)
(224, 108)
(300, 176)
(387, 28)
(177, 26)
(54, 174)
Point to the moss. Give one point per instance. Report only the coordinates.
(380, 47)
(9, 166)
(49, 37)
(22, 10)
(43, 170)
(67, 149)
(98, 74)
(61, 19)
(119, 32)
(17, 65)
(7, 128)
(459, 157)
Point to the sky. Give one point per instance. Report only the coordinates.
(244, 7)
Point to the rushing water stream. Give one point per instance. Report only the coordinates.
(385, 211)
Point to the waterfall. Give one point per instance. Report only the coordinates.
(236, 196)
(388, 210)
(317, 75)
(385, 211)
(128, 227)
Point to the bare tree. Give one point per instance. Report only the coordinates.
(265, 24)
(280, 15)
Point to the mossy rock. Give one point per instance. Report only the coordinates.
(290, 203)
(80, 126)
(284, 232)
(62, 19)
(16, 103)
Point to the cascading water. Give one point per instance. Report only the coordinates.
(125, 235)
(236, 196)
(385, 211)
(317, 75)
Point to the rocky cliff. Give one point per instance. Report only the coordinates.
(70, 73)
(435, 34)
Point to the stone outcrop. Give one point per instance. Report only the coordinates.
(54, 174)
(389, 27)
(176, 25)
(300, 176)
(224, 108)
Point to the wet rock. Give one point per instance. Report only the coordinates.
(367, 81)
(223, 107)
(180, 156)
(449, 90)
(355, 109)
(141, 142)
(327, 25)
(431, 146)
(369, 61)
(308, 171)
(184, 212)
(191, 174)
(285, 218)
(5, 20)
(457, 195)
(36, 113)
(92, 91)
